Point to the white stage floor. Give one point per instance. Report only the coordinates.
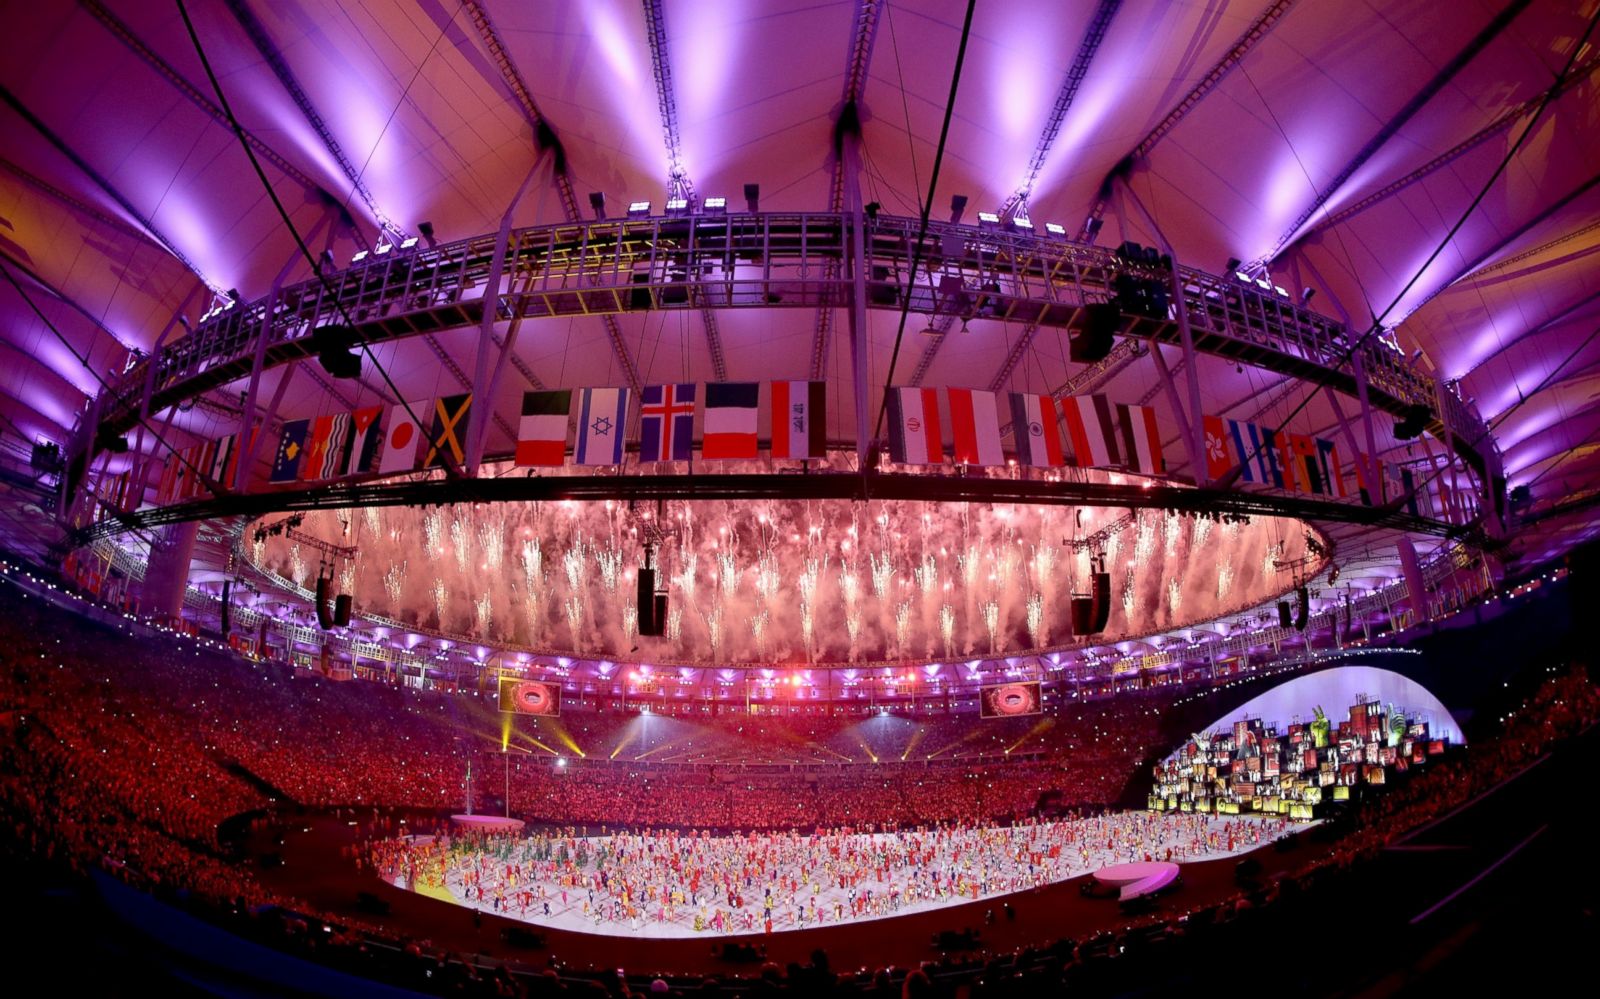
(676, 885)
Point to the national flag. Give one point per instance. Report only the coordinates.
(1141, 451)
(732, 410)
(1089, 431)
(291, 449)
(666, 422)
(1219, 458)
(401, 436)
(1332, 475)
(224, 459)
(1036, 429)
(1304, 465)
(1257, 449)
(799, 420)
(1408, 489)
(602, 420)
(450, 422)
(914, 434)
(1367, 491)
(542, 431)
(167, 485)
(323, 456)
(199, 466)
(975, 427)
(361, 442)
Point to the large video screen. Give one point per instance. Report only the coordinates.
(1007, 700)
(529, 697)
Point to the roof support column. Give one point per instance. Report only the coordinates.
(485, 382)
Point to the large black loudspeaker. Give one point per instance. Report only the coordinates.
(332, 345)
(1302, 612)
(1101, 320)
(323, 620)
(1090, 614)
(1082, 615)
(1102, 602)
(1283, 613)
(227, 586)
(650, 622)
(341, 610)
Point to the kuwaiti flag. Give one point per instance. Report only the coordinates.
(1090, 432)
(1037, 430)
(602, 418)
(914, 434)
(1257, 450)
(731, 414)
(291, 449)
(799, 420)
(402, 435)
(975, 427)
(666, 422)
(361, 442)
(542, 431)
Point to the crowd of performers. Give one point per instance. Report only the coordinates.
(764, 882)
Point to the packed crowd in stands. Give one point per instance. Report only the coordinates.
(126, 753)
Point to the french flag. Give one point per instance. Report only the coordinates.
(914, 434)
(730, 427)
(975, 427)
(1037, 432)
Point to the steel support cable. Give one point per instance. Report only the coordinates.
(305, 251)
(927, 210)
(1377, 321)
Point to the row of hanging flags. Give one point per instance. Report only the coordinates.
(1086, 431)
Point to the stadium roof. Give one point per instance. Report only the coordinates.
(1339, 142)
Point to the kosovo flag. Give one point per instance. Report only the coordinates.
(291, 448)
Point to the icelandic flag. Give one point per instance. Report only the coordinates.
(291, 448)
(602, 419)
(1036, 430)
(975, 427)
(914, 434)
(799, 420)
(542, 431)
(401, 437)
(1089, 431)
(666, 422)
(730, 427)
(1141, 440)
